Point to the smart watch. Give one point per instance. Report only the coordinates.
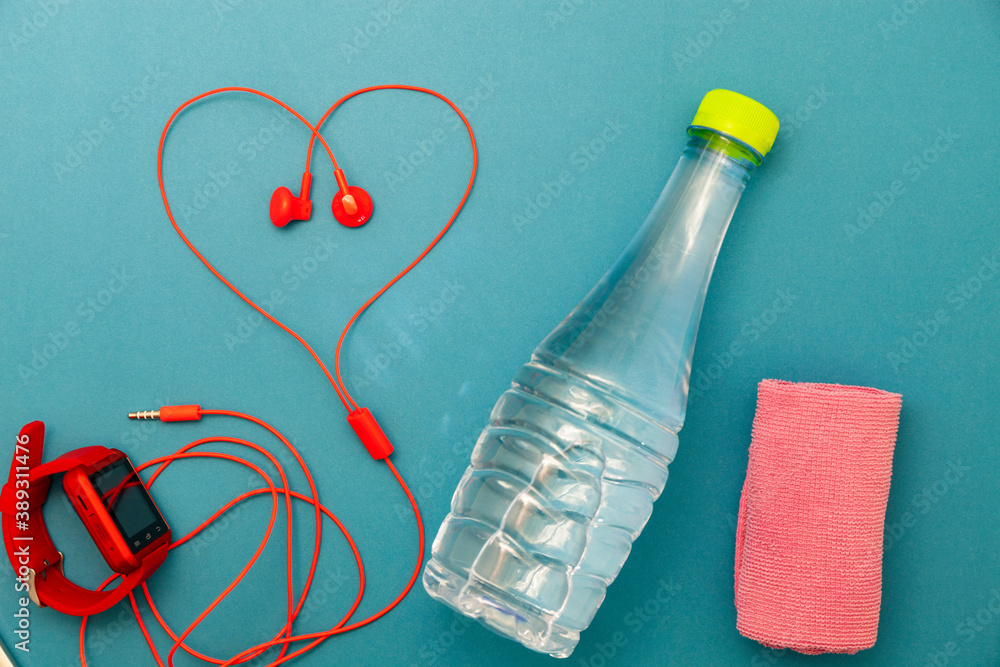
(113, 504)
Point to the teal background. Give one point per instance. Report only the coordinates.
(906, 301)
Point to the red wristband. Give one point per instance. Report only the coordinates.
(32, 553)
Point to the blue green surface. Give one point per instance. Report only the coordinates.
(865, 251)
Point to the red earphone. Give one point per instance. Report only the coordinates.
(352, 206)
(286, 207)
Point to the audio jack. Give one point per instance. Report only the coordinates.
(170, 413)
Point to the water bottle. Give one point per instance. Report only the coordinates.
(564, 477)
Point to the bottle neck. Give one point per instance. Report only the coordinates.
(706, 139)
(633, 335)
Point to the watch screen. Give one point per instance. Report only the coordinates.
(127, 501)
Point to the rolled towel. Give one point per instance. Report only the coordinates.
(812, 513)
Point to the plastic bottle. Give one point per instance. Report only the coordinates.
(564, 477)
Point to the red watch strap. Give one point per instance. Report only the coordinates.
(63, 595)
(29, 547)
(39, 474)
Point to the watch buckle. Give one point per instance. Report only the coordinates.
(32, 593)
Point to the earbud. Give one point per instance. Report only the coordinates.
(352, 206)
(286, 207)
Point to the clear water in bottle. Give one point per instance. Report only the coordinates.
(564, 477)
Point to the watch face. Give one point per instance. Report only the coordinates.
(127, 501)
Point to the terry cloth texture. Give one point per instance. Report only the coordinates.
(812, 512)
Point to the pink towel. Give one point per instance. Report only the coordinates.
(809, 537)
